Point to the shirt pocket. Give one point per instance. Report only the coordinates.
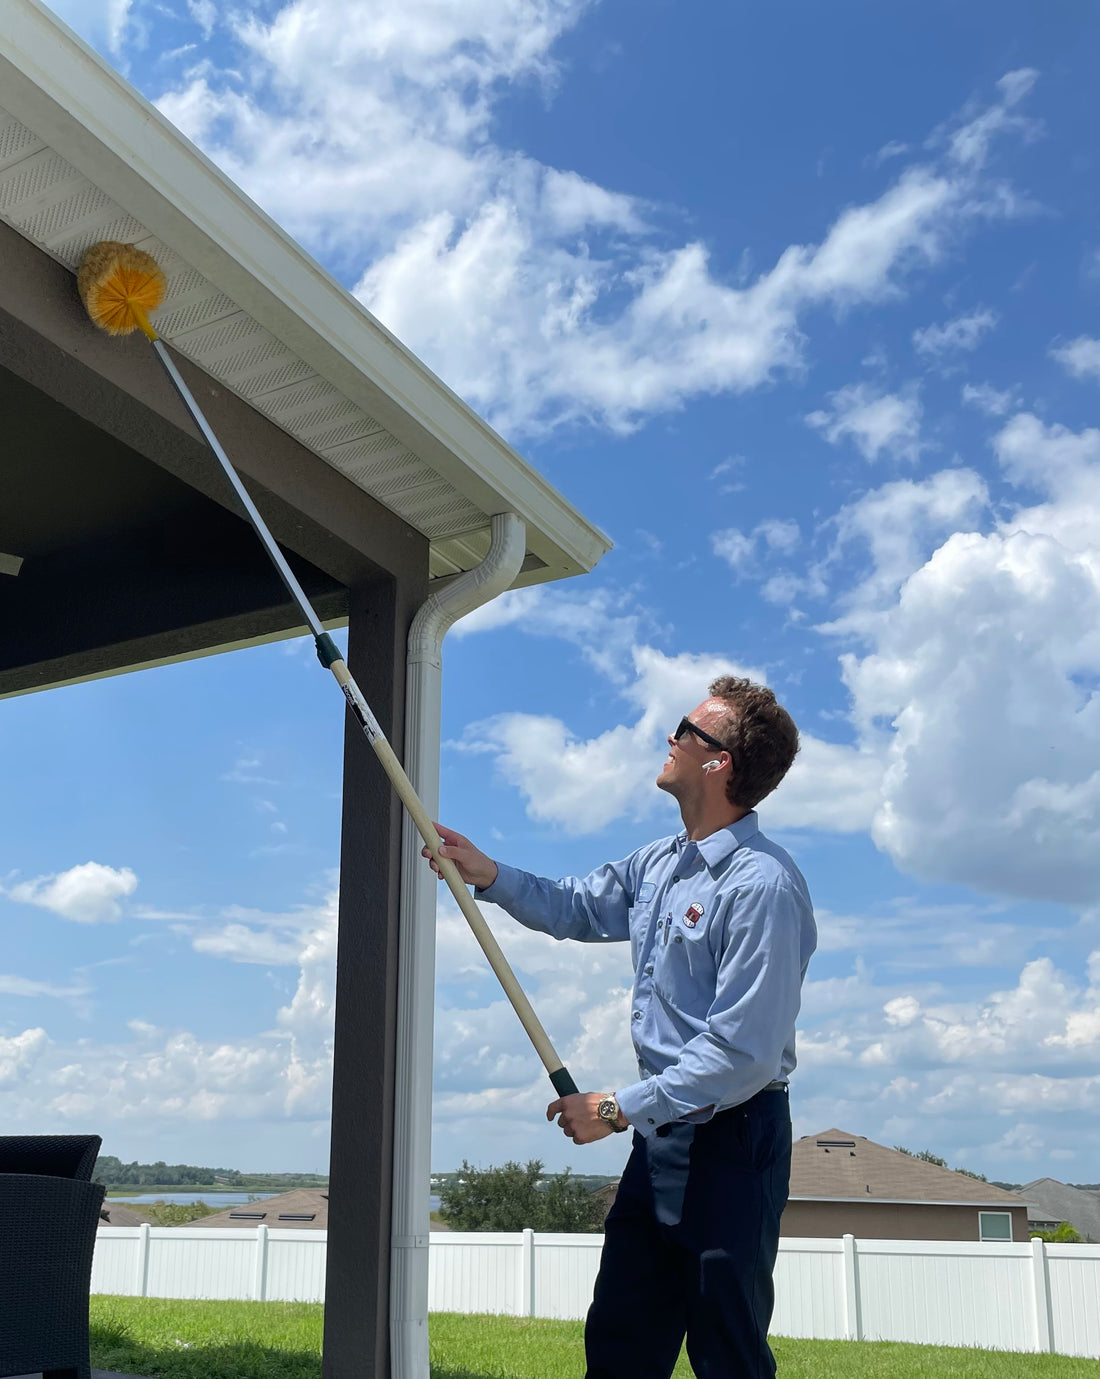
(687, 970)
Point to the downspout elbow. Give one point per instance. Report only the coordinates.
(468, 591)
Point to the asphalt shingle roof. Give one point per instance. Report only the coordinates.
(1060, 1202)
(303, 1202)
(121, 1214)
(836, 1164)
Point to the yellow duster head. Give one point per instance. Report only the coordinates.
(120, 285)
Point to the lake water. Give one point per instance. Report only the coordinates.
(218, 1199)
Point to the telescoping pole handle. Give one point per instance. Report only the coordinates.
(558, 1074)
(328, 653)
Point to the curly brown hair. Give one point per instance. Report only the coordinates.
(760, 736)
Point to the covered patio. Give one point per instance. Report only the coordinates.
(397, 507)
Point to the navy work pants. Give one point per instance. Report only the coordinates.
(689, 1248)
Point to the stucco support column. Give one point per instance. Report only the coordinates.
(356, 1341)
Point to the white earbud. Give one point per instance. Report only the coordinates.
(712, 766)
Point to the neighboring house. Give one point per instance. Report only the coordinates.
(303, 1209)
(121, 1214)
(844, 1184)
(1050, 1203)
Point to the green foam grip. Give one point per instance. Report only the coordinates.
(327, 650)
(563, 1083)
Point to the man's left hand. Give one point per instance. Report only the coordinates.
(578, 1117)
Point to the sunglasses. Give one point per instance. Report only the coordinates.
(687, 726)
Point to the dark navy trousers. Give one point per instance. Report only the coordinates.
(689, 1248)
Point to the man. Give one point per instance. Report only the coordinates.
(721, 931)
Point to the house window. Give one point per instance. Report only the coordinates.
(994, 1225)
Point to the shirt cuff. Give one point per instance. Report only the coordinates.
(647, 1107)
(504, 888)
(640, 1104)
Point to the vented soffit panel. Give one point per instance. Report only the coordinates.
(84, 157)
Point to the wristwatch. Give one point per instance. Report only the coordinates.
(608, 1110)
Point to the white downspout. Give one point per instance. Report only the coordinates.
(412, 1131)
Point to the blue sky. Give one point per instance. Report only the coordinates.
(799, 303)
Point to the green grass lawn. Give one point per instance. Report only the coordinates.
(165, 1339)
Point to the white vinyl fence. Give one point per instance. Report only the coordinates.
(1024, 1297)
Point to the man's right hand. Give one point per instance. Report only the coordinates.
(473, 866)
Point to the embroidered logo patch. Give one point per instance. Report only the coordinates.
(692, 915)
(646, 891)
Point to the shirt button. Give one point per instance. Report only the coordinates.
(660, 924)
(675, 879)
(637, 1015)
(650, 1120)
(649, 971)
(679, 938)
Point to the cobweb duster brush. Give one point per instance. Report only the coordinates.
(120, 285)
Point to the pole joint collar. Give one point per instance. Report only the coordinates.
(327, 650)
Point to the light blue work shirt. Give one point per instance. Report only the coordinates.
(721, 932)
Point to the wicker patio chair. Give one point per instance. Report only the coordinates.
(47, 1235)
(60, 1156)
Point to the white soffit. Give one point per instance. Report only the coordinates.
(84, 157)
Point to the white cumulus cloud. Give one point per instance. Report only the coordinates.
(164, 1078)
(367, 129)
(582, 784)
(992, 401)
(982, 678)
(962, 333)
(1080, 357)
(19, 1053)
(877, 423)
(744, 553)
(89, 894)
(900, 524)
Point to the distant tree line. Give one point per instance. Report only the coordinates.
(112, 1172)
(926, 1156)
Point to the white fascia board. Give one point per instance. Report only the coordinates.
(55, 84)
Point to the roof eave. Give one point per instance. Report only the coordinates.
(111, 134)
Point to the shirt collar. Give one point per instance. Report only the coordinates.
(718, 847)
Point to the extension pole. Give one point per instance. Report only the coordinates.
(328, 653)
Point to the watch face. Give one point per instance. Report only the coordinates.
(608, 1109)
